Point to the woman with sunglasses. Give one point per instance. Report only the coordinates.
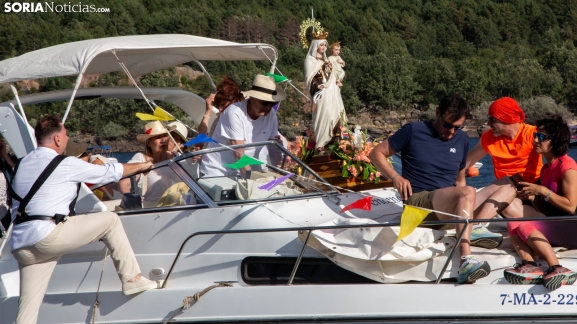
(556, 195)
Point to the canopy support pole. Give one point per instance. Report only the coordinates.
(76, 86)
(208, 77)
(273, 67)
(15, 92)
(17, 97)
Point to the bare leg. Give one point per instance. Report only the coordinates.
(539, 243)
(458, 201)
(523, 250)
(495, 198)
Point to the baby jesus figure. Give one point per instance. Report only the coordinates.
(337, 62)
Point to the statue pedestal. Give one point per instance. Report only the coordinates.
(330, 170)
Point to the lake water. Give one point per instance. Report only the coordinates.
(486, 175)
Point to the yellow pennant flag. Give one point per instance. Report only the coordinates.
(410, 219)
(159, 114)
(162, 114)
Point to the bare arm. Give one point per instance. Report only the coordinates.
(566, 202)
(461, 181)
(203, 126)
(238, 153)
(474, 155)
(379, 157)
(130, 168)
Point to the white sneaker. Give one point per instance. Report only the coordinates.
(141, 285)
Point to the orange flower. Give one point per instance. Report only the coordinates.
(353, 170)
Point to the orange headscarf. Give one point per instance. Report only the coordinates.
(507, 110)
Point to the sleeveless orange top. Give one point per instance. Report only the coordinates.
(516, 155)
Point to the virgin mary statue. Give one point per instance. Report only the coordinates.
(325, 94)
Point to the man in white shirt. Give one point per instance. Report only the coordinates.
(249, 121)
(42, 234)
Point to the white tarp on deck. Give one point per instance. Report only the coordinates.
(373, 253)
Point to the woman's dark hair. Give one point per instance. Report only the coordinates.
(47, 126)
(557, 128)
(455, 105)
(227, 91)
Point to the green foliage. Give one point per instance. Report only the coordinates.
(397, 53)
(112, 131)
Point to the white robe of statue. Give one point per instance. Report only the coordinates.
(330, 105)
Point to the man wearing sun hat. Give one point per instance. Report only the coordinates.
(510, 144)
(248, 121)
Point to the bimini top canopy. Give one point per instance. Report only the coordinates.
(141, 55)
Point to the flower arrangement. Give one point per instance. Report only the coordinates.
(302, 147)
(354, 152)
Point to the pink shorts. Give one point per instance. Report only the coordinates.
(523, 229)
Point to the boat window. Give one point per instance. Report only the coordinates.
(277, 271)
(160, 187)
(277, 176)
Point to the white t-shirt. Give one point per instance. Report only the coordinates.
(56, 193)
(235, 124)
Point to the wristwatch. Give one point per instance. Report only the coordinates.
(548, 195)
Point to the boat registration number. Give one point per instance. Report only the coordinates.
(531, 299)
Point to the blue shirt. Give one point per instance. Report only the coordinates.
(430, 163)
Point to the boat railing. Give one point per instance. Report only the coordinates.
(310, 229)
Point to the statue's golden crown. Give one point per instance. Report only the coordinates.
(320, 34)
(317, 33)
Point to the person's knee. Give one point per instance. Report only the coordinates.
(514, 209)
(467, 194)
(110, 218)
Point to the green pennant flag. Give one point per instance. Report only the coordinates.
(242, 162)
(277, 78)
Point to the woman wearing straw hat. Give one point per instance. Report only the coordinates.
(179, 134)
(152, 186)
(248, 121)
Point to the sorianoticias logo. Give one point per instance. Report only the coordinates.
(17, 7)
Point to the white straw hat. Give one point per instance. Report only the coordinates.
(264, 88)
(180, 130)
(152, 129)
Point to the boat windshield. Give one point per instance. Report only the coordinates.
(249, 172)
(188, 180)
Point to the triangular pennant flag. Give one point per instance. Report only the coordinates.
(242, 162)
(147, 116)
(364, 203)
(275, 182)
(200, 138)
(410, 219)
(162, 114)
(277, 78)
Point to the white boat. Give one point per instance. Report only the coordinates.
(258, 249)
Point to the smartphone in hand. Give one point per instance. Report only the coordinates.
(516, 179)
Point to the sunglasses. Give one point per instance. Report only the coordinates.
(451, 126)
(268, 103)
(541, 137)
(491, 119)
